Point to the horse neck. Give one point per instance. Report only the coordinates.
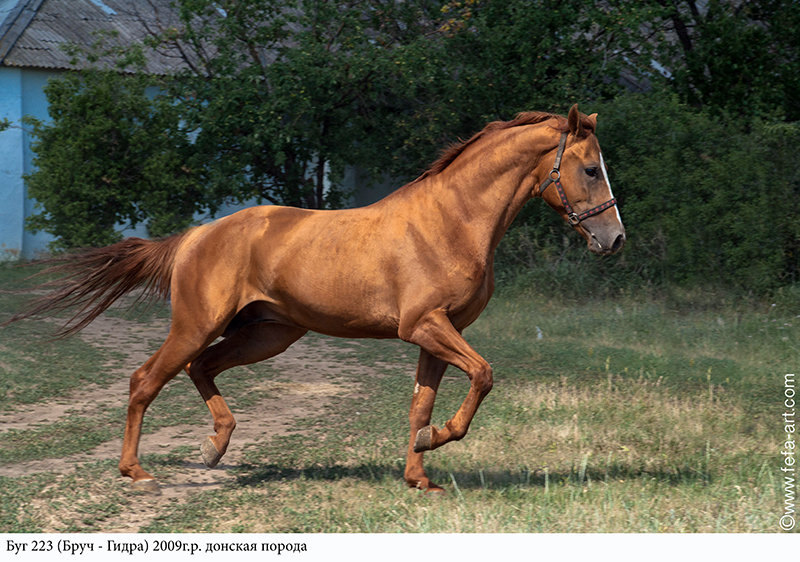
(480, 193)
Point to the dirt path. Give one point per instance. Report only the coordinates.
(313, 366)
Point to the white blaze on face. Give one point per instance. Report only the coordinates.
(608, 183)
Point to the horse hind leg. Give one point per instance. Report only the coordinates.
(146, 382)
(250, 343)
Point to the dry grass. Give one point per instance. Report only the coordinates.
(618, 456)
(626, 415)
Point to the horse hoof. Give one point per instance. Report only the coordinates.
(424, 439)
(425, 486)
(148, 486)
(210, 454)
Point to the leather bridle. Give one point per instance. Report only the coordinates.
(554, 177)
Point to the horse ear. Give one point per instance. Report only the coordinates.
(592, 119)
(574, 121)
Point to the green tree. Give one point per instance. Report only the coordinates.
(698, 162)
(282, 96)
(112, 154)
(743, 57)
(279, 97)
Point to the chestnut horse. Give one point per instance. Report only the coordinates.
(417, 265)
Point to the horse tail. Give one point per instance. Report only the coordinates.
(93, 279)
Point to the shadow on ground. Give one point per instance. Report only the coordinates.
(254, 475)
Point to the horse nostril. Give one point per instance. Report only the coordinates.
(618, 243)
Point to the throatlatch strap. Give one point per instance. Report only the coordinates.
(562, 144)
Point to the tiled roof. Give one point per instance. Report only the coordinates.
(34, 32)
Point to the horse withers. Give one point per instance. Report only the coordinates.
(417, 265)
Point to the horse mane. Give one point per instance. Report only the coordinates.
(525, 118)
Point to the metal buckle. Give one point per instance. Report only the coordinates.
(557, 175)
(573, 219)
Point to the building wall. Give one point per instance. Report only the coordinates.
(21, 93)
(12, 192)
(34, 103)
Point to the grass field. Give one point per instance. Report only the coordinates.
(629, 414)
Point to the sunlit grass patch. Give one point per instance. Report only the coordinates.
(34, 367)
(545, 457)
(633, 422)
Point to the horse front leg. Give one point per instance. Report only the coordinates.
(435, 334)
(429, 375)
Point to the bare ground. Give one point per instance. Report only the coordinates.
(313, 368)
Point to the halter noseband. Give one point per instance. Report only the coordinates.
(555, 178)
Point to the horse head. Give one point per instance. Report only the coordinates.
(581, 191)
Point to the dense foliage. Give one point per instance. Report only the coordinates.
(697, 100)
(112, 154)
(705, 200)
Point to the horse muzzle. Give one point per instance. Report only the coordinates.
(605, 241)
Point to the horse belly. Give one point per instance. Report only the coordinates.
(339, 290)
(336, 307)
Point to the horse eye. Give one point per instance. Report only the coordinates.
(591, 172)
